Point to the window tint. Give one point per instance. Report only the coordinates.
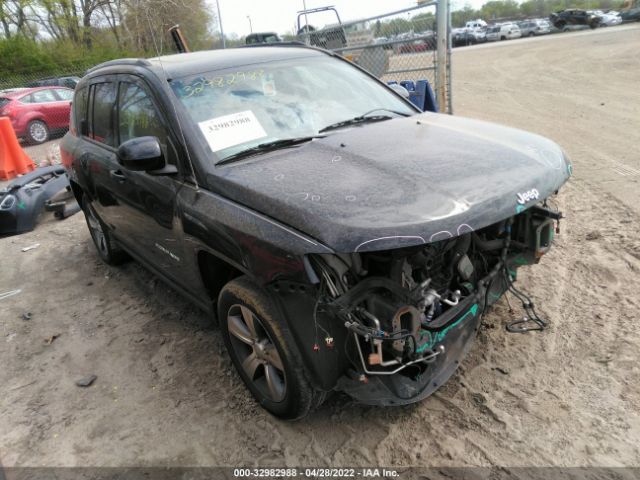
(104, 98)
(42, 96)
(138, 116)
(64, 94)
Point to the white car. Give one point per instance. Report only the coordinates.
(608, 19)
(476, 24)
(505, 31)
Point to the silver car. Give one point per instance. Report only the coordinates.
(531, 28)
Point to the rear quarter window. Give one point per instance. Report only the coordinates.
(104, 98)
(4, 101)
(79, 108)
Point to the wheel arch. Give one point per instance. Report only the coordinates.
(215, 273)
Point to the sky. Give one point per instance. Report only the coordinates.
(280, 15)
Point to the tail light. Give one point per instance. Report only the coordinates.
(6, 110)
(65, 157)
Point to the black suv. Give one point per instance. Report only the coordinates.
(564, 18)
(345, 240)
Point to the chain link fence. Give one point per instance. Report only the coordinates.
(400, 46)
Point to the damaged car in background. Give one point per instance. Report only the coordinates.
(345, 240)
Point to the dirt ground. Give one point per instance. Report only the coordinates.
(166, 392)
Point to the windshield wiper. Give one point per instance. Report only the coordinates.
(268, 147)
(364, 118)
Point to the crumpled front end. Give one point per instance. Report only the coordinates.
(403, 319)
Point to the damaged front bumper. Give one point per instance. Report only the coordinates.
(397, 323)
(449, 346)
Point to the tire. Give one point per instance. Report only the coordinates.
(531, 34)
(37, 132)
(263, 351)
(503, 38)
(107, 248)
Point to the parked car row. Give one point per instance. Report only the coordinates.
(478, 31)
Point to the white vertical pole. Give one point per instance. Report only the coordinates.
(442, 15)
(220, 23)
(304, 7)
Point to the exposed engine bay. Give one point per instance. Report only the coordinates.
(398, 306)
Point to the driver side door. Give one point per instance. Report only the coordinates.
(149, 226)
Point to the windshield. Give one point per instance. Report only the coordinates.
(239, 108)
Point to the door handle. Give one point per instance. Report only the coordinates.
(118, 175)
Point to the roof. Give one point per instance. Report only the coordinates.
(185, 64)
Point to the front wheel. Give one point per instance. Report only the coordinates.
(109, 251)
(263, 351)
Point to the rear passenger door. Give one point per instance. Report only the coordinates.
(97, 153)
(46, 104)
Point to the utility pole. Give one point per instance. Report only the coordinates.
(220, 24)
(441, 58)
(250, 26)
(304, 7)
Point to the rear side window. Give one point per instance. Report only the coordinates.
(42, 96)
(137, 115)
(101, 122)
(4, 101)
(79, 110)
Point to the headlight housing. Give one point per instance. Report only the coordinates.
(7, 202)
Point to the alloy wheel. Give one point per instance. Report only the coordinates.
(38, 132)
(95, 228)
(256, 352)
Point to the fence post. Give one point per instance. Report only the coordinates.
(442, 16)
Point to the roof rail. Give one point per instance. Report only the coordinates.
(292, 43)
(140, 62)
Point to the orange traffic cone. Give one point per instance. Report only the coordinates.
(13, 159)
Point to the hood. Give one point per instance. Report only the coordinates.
(399, 182)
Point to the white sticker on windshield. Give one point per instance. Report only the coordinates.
(229, 130)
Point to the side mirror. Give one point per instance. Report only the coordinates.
(141, 154)
(400, 90)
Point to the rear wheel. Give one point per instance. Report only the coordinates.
(263, 351)
(108, 250)
(37, 132)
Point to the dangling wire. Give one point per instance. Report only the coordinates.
(531, 321)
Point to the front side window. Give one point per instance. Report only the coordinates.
(242, 107)
(64, 94)
(104, 99)
(137, 115)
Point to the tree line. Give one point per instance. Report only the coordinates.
(48, 37)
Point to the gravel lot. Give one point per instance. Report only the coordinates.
(166, 392)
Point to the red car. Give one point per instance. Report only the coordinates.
(37, 112)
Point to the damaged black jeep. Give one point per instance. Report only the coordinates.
(345, 240)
